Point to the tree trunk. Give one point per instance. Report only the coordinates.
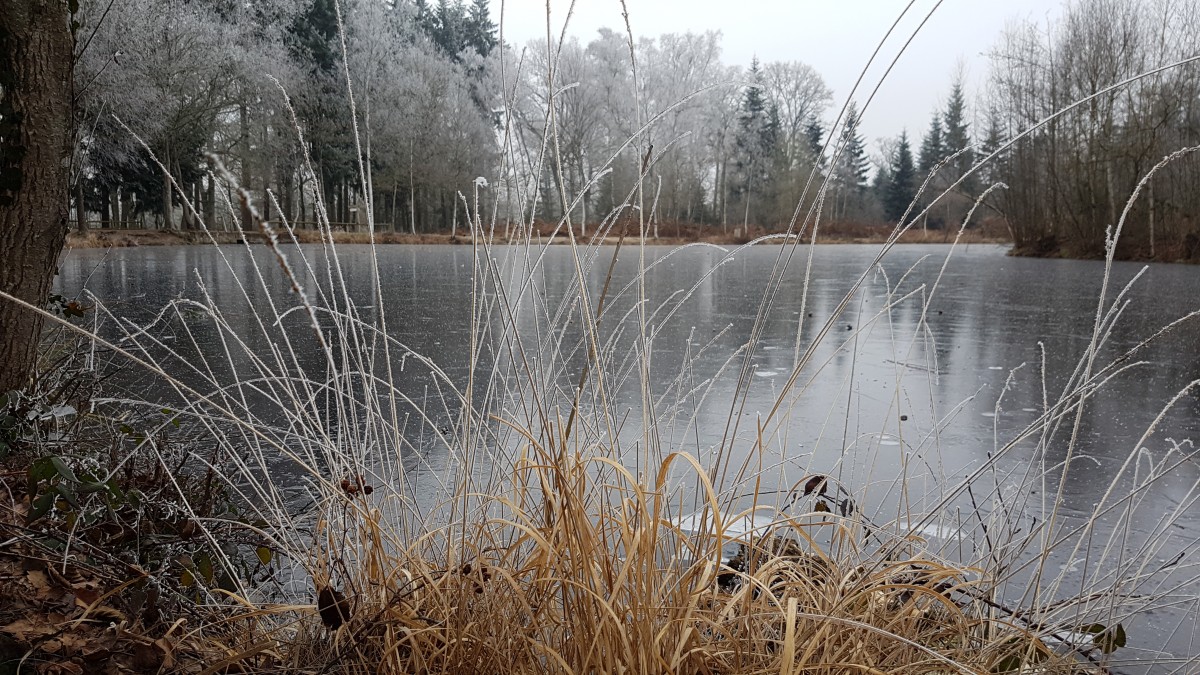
(300, 196)
(110, 207)
(167, 218)
(36, 48)
(80, 211)
(266, 196)
(210, 202)
(244, 141)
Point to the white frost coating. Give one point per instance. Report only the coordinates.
(481, 182)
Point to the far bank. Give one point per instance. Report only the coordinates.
(544, 233)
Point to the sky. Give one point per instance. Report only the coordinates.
(836, 37)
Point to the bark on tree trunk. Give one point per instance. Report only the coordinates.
(247, 222)
(167, 218)
(35, 142)
(80, 211)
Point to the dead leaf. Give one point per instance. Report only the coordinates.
(105, 614)
(74, 643)
(39, 580)
(333, 607)
(147, 657)
(84, 597)
(23, 630)
(168, 652)
(64, 668)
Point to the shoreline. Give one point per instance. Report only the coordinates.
(833, 235)
(106, 238)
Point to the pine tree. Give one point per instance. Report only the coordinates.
(755, 140)
(932, 146)
(480, 32)
(851, 167)
(312, 37)
(425, 19)
(957, 136)
(881, 183)
(449, 33)
(901, 187)
(816, 138)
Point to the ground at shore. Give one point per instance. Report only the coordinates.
(668, 235)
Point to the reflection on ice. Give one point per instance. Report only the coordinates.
(735, 526)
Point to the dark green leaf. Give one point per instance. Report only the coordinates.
(42, 469)
(1093, 628)
(67, 494)
(88, 487)
(226, 583)
(264, 554)
(63, 470)
(204, 565)
(40, 507)
(115, 490)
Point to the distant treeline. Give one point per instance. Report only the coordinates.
(1070, 179)
(436, 107)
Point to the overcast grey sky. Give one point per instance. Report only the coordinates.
(834, 36)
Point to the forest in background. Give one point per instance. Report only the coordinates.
(440, 101)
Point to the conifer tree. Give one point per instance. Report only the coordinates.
(881, 183)
(901, 186)
(755, 141)
(449, 32)
(957, 136)
(816, 138)
(932, 146)
(480, 32)
(850, 162)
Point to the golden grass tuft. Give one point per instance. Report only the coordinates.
(580, 568)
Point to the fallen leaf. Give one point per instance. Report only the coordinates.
(168, 652)
(24, 629)
(147, 657)
(40, 583)
(84, 597)
(73, 643)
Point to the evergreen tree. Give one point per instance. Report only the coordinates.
(312, 37)
(851, 167)
(426, 20)
(957, 137)
(480, 32)
(449, 32)
(932, 146)
(881, 183)
(755, 140)
(816, 138)
(901, 186)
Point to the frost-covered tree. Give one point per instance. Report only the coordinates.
(850, 167)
